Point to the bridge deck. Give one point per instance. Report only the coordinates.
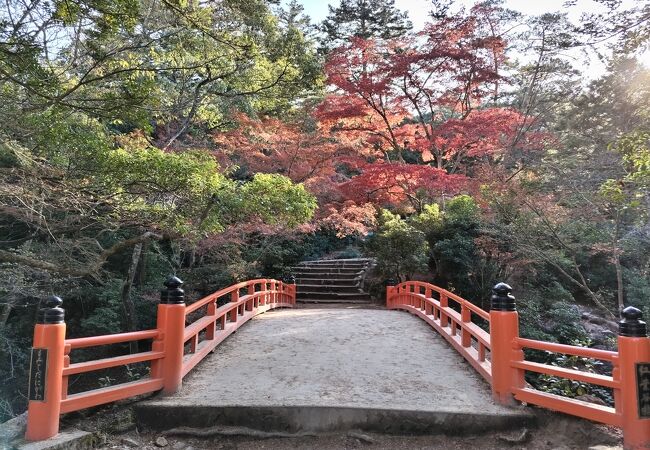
(323, 369)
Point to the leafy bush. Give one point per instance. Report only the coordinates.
(571, 388)
(400, 249)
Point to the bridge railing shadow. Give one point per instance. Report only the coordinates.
(498, 356)
(184, 335)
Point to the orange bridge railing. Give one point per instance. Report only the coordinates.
(498, 356)
(184, 335)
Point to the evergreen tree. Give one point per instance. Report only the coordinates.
(365, 19)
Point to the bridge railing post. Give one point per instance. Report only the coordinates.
(263, 294)
(171, 327)
(234, 298)
(428, 309)
(291, 285)
(291, 291)
(251, 292)
(46, 372)
(504, 331)
(466, 317)
(444, 304)
(634, 370)
(391, 290)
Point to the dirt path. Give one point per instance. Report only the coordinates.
(343, 357)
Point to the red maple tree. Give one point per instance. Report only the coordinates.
(418, 108)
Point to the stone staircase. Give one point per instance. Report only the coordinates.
(332, 281)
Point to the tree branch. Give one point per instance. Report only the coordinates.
(89, 269)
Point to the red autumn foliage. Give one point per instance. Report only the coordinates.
(383, 183)
(273, 146)
(349, 218)
(426, 95)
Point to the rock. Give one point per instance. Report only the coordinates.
(102, 438)
(13, 428)
(178, 445)
(161, 441)
(519, 438)
(605, 447)
(362, 437)
(591, 399)
(130, 442)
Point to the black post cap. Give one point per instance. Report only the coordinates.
(51, 311)
(502, 299)
(631, 324)
(173, 295)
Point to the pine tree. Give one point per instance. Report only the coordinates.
(365, 19)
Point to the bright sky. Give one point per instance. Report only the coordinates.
(418, 11)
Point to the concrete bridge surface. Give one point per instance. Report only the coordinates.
(334, 368)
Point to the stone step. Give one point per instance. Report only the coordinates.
(331, 281)
(337, 261)
(327, 270)
(332, 295)
(332, 301)
(336, 264)
(328, 282)
(327, 288)
(328, 276)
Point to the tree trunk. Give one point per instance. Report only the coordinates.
(5, 310)
(127, 302)
(141, 272)
(619, 282)
(617, 264)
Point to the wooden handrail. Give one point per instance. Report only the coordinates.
(225, 291)
(585, 352)
(168, 361)
(107, 339)
(507, 364)
(571, 374)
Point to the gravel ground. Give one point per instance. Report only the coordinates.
(345, 357)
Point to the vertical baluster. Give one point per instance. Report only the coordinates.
(428, 309)
(194, 343)
(65, 379)
(391, 292)
(251, 293)
(444, 303)
(212, 311)
(466, 317)
(234, 298)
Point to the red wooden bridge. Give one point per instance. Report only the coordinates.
(488, 340)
